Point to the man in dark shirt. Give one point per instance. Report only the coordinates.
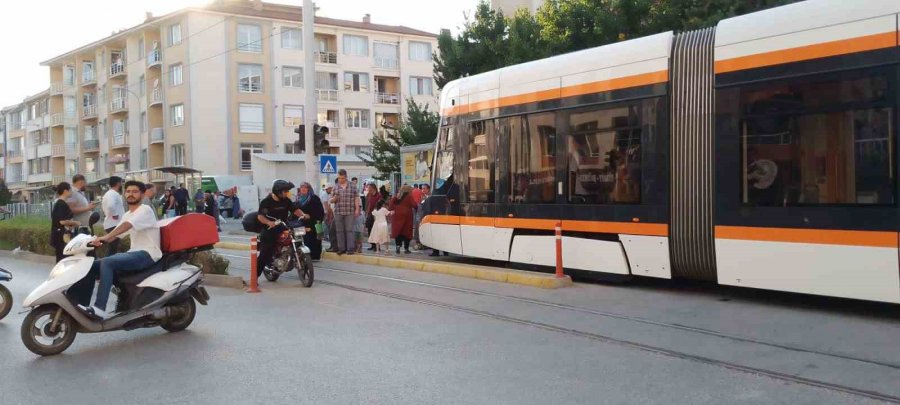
(181, 199)
(277, 206)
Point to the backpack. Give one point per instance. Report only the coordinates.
(251, 223)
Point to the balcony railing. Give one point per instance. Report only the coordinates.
(154, 58)
(90, 145)
(387, 63)
(326, 57)
(88, 78)
(71, 150)
(327, 95)
(116, 69)
(387, 98)
(58, 150)
(156, 175)
(89, 112)
(90, 177)
(117, 105)
(157, 135)
(156, 97)
(57, 120)
(57, 178)
(333, 133)
(120, 140)
(56, 88)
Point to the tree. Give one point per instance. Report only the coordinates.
(418, 126)
(480, 47)
(5, 194)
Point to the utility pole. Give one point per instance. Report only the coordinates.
(310, 108)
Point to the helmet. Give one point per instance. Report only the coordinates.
(280, 186)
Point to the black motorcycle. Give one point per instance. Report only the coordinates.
(290, 253)
(6, 300)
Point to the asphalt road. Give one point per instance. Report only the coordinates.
(365, 334)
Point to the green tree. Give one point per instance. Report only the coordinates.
(5, 194)
(418, 126)
(480, 47)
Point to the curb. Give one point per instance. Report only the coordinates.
(539, 280)
(32, 257)
(232, 246)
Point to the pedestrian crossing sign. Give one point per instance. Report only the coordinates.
(328, 164)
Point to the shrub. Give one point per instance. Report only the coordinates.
(32, 234)
(210, 262)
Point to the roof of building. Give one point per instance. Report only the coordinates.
(253, 8)
(295, 157)
(45, 93)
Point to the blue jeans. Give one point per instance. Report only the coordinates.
(131, 262)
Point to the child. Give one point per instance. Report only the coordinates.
(359, 229)
(380, 234)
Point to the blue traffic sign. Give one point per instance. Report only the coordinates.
(328, 164)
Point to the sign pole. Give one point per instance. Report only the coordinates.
(311, 108)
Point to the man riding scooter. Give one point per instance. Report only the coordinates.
(140, 224)
(277, 206)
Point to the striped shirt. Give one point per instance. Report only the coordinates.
(345, 195)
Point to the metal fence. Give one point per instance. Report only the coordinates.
(23, 209)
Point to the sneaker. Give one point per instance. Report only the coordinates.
(94, 311)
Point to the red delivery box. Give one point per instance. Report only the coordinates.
(187, 232)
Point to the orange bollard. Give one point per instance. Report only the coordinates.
(559, 264)
(254, 284)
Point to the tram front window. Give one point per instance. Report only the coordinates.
(818, 142)
(443, 170)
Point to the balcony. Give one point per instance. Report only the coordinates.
(116, 70)
(90, 177)
(327, 95)
(118, 105)
(329, 58)
(332, 133)
(157, 135)
(89, 112)
(88, 78)
(57, 178)
(58, 150)
(56, 88)
(387, 63)
(71, 151)
(57, 120)
(119, 141)
(156, 97)
(154, 59)
(387, 98)
(90, 145)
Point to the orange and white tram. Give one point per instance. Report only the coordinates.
(760, 153)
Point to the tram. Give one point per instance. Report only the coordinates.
(758, 153)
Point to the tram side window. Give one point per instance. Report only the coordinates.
(605, 156)
(481, 162)
(532, 159)
(817, 142)
(443, 171)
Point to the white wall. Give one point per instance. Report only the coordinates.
(208, 94)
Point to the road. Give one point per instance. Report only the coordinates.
(367, 334)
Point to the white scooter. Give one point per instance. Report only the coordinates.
(160, 295)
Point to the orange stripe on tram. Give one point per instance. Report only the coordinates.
(630, 228)
(833, 48)
(813, 236)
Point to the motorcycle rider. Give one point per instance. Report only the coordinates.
(277, 205)
(140, 224)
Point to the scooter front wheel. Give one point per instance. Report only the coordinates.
(39, 335)
(6, 301)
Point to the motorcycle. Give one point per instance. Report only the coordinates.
(291, 253)
(160, 295)
(6, 299)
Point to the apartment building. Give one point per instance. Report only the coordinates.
(208, 87)
(14, 121)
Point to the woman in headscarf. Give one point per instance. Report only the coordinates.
(403, 207)
(61, 219)
(311, 205)
(372, 199)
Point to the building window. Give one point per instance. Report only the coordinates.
(251, 117)
(249, 38)
(532, 158)
(387, 56)
(247, 151)
(604, 156)
(420, 51)
(69, 75)
(357, 118)
(143, 159)
(69, 105)
(142, 83)
(326, 81)
(176, 77)
(356, 81)
(291, 38)
(143, 122)
(357, 150)
(141, 51)
(250, 78)
(291, 148)
(174, 34)
(177, 114)
(177, 158)
(420, 86)
(293, 115)
(356, 45)
(291, 76)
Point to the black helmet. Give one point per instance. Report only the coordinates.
(280, 186)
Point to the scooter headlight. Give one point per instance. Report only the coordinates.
(299, 232)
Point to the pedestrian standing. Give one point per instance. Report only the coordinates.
(314, 213)
(212, 208)
(113, 208)
(171, 207)
(199, 199)
(148, 199)
(402, 209)
(380, 234)
(61, 219)
(346, 209)
(331, 230)
(79, 204)
(181, 198)
(372, 199)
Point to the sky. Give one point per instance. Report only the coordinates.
(37, 30)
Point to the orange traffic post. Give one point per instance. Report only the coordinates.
(254, 284)
(559, 264)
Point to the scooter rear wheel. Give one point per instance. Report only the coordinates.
(185, 312)
(6, 301)
(38, 337)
